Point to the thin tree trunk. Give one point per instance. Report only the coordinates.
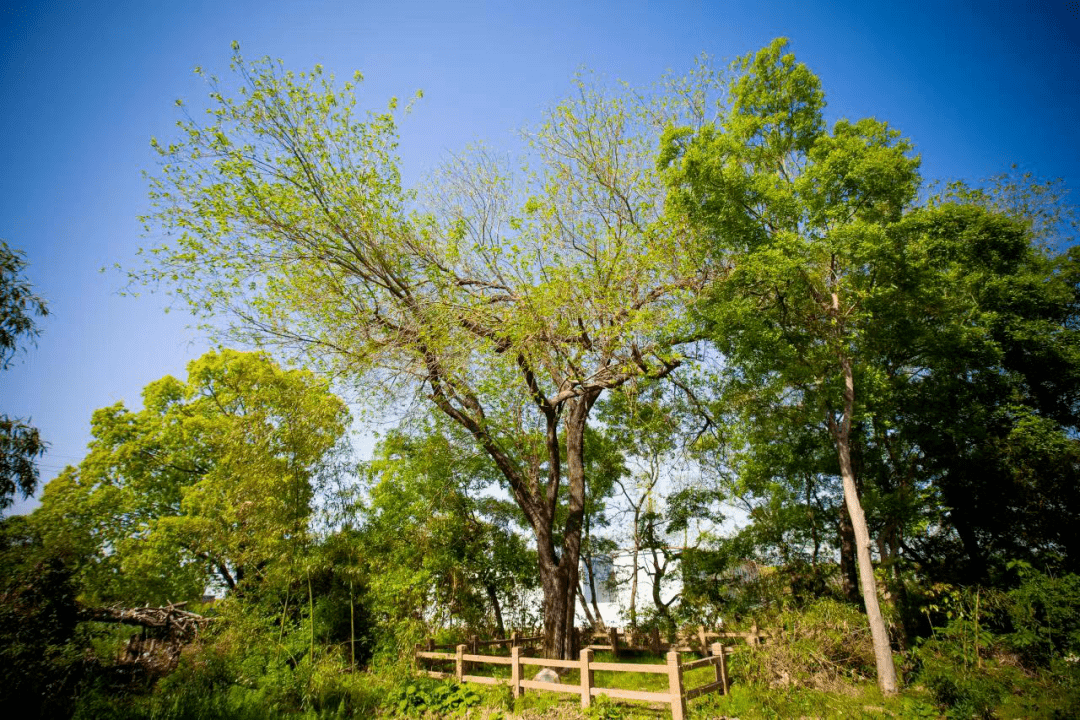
(849, 574)
(634, 568)
(886, 670)
(595, 618)
(658, 579)
(352, 627)
(813, 524)
(585, 608)
(311, 614)
(493, 596)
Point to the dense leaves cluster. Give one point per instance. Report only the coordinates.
(20, 442)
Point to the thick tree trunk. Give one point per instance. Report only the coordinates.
(886, 670)
(559, 606)
(539, 499)
(559, 574)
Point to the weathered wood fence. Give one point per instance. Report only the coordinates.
(614, 640)
(466, 657)
(474, 644)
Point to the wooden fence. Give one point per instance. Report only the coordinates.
(615, 640)
(516, 639)
(676, 695)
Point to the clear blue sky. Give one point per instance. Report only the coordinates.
(83, 86)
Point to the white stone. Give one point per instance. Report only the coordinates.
(547, 675)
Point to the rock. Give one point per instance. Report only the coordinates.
(547, 675)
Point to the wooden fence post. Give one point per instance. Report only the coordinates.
(655, 639)
(755, 637)
(515, 639)
(474, 649)
(721, 666)
(515, 672)
(459, 663)
(431, 644)
(675, 687)
(702, 640)
(586, 678)
(613, 638)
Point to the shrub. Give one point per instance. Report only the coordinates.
(1045, 615)
(818, 647)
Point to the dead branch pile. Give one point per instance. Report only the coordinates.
(177, 623)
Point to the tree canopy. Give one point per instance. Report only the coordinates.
(20, 442)
(509, 303)
(211, 482)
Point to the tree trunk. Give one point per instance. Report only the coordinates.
(540, 500)
(559, 574)
(886, 670)
(849, 574)
(634, 568)
(559, 605)
(493, 596)
(595, 618)
(585, 608)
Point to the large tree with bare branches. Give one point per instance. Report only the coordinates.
(509, 301)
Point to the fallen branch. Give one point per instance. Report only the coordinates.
(179, 623)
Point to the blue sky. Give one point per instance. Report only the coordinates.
(83, 87)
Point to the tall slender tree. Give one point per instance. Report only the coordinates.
(803, 213)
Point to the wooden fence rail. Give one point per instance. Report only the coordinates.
(699, 641)
(516, 639)
(676, 696)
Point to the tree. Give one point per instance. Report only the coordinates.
(510, 308)
(803, 215)
(211, 481)
(646, 421)
(991, 415)
(20, 442)
(464, 560)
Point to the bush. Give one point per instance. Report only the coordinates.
(423, 696)
(1045, 615)
(819, 647)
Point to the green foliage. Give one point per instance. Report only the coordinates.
(20, 443)
(446, 698)
(1045, 615)
(41, 654)
(820, 646)
(1001, 654)
(463, 550)
(211, 481)
(18, 304)
(603, 708)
